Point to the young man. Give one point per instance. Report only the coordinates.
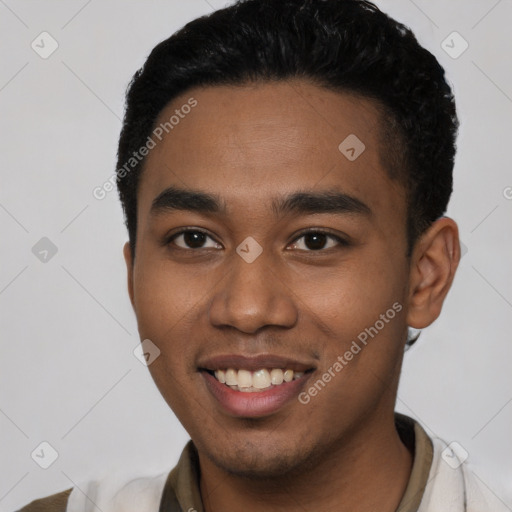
(284, 167)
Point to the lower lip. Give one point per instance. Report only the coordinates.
(257, 404)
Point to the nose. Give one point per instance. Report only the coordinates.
(251, 296)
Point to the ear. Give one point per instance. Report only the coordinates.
(433, 265)
(127, 253)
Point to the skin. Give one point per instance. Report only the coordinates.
(249, 144)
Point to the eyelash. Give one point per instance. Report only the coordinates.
(341, 241)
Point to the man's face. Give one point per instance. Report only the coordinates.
(212, 301)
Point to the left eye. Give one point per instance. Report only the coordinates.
(316, 240)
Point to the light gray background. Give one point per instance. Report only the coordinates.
(68, 375)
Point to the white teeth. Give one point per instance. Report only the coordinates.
(260, 379)
(231, 377)
(221, 376)
(288, 375)
(276, 376)
(247, 381)
(244, 379)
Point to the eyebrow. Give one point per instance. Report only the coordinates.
(301, 202)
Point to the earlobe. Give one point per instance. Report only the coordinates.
(127, 253)
(433, 265)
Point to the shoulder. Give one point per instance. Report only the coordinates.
(479, 496)
(455, 486)
(113, 492)
(53, 503)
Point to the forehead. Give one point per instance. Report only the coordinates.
(251, 143)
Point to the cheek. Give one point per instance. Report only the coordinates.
(360, 307)
(354, 294)
(167, 306)
(165, 297)
(380, 283)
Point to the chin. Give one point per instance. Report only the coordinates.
(259, 461)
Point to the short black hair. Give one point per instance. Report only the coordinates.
(343, 45)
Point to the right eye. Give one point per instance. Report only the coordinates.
(190, 239)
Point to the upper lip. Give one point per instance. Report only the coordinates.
(252, 363)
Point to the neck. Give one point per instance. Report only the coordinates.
(367, 472)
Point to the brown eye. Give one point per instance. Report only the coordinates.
(318, 240)
(192, 239)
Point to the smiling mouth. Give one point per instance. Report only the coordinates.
(263, 379)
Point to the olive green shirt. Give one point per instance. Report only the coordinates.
(182, 484)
